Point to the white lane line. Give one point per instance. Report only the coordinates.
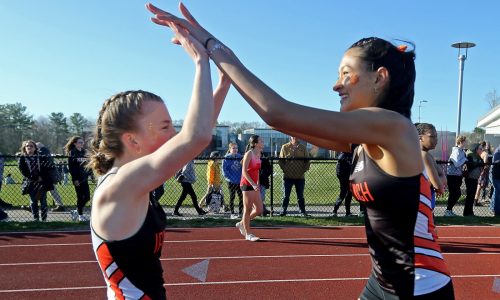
(233, 282)
(226, 257)
(243, 240)
(45, 245)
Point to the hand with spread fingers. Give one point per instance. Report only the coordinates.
(190, 24)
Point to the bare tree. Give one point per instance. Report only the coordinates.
(493, 98)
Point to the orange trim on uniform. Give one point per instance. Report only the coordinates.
(431, 263)
(145, 297)
(104, 257)
(425, 187)
(105, 260)
(425, 210)
(114, 281)
(427, 244)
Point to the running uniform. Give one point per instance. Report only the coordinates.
(406, 259)
(253, 171)
(131, 267)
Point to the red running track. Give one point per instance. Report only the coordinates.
(298, 263)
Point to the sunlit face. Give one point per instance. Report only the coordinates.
(260, 144)
(355, 84)
(79, 143)
(479, 150)
(30, 148)
(294, 140)
(429, 140)
(233, 149)
(155, 126)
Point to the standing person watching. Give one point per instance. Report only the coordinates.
(376, 88)
(266, 170)
(455, 174)
(482, 183)
(294, 163)
(474, 166)
(495, 178)
(428, 140)
(252, 204)
(231, 169)
(343, 170)
(36, 182)
(186, 177)
(54, 174)
(77, 163)
(135, 150)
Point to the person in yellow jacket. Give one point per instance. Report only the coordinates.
(214, 178)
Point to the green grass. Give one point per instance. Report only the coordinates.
(264, 222)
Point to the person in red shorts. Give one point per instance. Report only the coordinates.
(250, 186)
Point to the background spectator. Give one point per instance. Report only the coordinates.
(266, 170)
(53, 174)
(482, 183)
(213, 177)
(77, 163)
(294, 166)
(36, 183)
(231, 169)
(186, 177)
(343, 170)
(474, 167)
(454, 174)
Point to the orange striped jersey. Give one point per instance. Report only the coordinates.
(131, 267)
(406, 258)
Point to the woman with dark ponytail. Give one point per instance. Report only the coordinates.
(375, 84)
(77, 164)
(250, 185)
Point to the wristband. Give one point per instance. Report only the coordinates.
(208, 40)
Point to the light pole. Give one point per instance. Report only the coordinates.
(461, 60)
(419, 106)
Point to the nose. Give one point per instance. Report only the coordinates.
(337, 85)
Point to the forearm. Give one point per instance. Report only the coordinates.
(196, 123)
(220, 94)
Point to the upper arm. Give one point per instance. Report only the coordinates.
(431, 170)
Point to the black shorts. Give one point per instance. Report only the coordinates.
(246, 188)
(373, 290)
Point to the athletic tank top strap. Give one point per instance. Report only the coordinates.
(112, 171)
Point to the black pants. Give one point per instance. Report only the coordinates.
(187, 189)
(233, 189)
(82, 196)
(454, 185)
(345, 194)
(471, 186)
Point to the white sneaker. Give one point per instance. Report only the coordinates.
(82, 218)
(449, 213)
(74, 215)
(252, 238)
(240, 226)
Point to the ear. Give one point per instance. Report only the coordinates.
(382, 78)
(130, 142)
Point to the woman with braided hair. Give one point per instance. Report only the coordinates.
(135, 149)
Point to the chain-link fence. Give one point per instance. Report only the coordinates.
(321, 189)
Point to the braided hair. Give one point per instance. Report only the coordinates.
(117, 116)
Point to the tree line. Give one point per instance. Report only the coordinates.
(53, 130)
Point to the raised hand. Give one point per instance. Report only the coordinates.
(190, 45)
(190, 24)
